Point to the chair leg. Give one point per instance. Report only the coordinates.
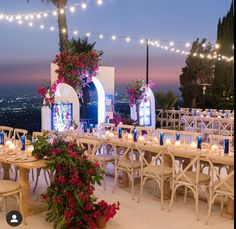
(222, 204)
(132, 183)
(115, 180)
(37, 179)
(32, 173)
(209, 208)
(185, 194)
(197, 203)
(162, 198)
(141, 189)
(172, 196)
(104, 177)
(16, 173)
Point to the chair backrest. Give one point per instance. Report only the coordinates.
(91, 146)
(129, 128)
(36, 134)
(126, 153)
(19, 132)
(105, 126)
(170, 134)
(219, 139)
(8, 130)
(148, 130)
(188, 136)
(155, 155)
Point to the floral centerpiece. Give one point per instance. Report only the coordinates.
(70, 199)
(137, 92)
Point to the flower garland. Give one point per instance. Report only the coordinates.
(138, 91)
(70, 198)
(75, 69)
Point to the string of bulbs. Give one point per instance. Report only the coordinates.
(44, 14)
(162, 44)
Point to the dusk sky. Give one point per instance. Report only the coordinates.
(26, 53)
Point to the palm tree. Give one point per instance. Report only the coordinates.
(82, 45)
(62, 22)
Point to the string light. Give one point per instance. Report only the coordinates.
(100, 2)
(72, 9)
(154, 43)
(84, 5)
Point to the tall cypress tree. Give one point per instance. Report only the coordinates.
(223, 84)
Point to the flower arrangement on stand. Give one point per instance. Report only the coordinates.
(70, 199)
(137, 92)
(76, 68)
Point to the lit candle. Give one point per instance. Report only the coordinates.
(71, 128)
(168, 141)
(214, 148)
(30, 149)
(120, 123)
(193, 145)
(130, 136)
(155, 139)
(107, 133)
(8, 143)
(177, 143)
(111, 135)
(141, 138)
(218, 116)
(12, 147)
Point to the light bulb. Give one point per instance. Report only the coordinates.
(63, 30)
(87, 34)
(52, 28)
(41, 26)
(99, 2)
(45, 14)
(217, 46)
(127, 39)
(187, 45)
(1, 16)
(171, 43)
(61, 11)
(38, 16)
(141, 41)
(75, 32)
(54, 13)
(72, 9)
(101, 36)
(84, 5)
(30, 24)
(113, 37)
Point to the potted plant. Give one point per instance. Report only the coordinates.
(104, 212)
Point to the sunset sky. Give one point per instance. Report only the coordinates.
(26, 53)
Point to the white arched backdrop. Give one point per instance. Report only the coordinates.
(64, 93)
(151, 97)
(101, 100)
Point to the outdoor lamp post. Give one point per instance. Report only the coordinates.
(204, 87)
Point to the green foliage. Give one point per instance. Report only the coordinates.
(82, 45)
(165, 100)
(41, 147)
(223, 85)
(196, 72)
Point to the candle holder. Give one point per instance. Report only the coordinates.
(119, 132)
(161, 138)
(177, 136)
(199, 142)
(85, 127)
(23, 141)
(226, 146)
(2, 138)
(91, 128)
(135, 134)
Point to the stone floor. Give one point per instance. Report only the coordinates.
(132, 215)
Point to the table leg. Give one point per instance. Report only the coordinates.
(6, 169)
(25, 187)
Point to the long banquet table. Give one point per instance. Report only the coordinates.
(29, 208)
(184, 151)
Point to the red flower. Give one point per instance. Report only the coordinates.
(57, 199)
(61, 179)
